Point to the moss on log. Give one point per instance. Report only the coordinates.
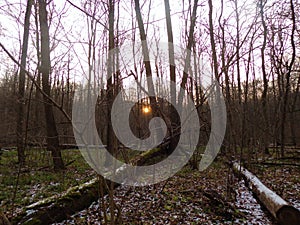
(145, 156)
(59, 207)
(284, 213)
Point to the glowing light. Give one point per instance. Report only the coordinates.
(146, 109)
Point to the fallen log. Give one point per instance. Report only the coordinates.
(282, 211)
(59, 207)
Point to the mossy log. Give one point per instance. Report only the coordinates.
(59, 207)
(282, 211)
(146, 156)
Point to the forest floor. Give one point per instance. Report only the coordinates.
(37, 180)
(282, 175)
(213, 196)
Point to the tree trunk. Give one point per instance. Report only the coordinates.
(292, 113)
(265, 79)
(288, 77)
(111, 139)
(38, 95)
(45, 69)
(221, 119)
(175, 123)
(187, 62)
(284, 213)
(238, 50)
(21, 92)
(145, 50)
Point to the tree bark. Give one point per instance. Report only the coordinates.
(145, 50)
(187, 62)
(265, 79)
(171, 51)
(284, 213)
(21, 92)
(45, 69)
(111, 140)
(175, 123)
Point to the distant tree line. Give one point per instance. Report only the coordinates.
(253, 52)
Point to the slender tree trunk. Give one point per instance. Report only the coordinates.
(231, 138)
(245, 126)
(21, 92)
(220, 119)
(238, 51)
(212, 41)
(171, 51)
(265, 79)
(52, 134)
(145, 50)
(173, 114)
(38, 95)
(288, 76)
(110, 88)
(111, 139)
(187, 61)
(292, 112)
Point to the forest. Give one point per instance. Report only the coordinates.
(150, 112)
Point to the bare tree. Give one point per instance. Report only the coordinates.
(261, 6)
(110, 68)
(238, 45)
(145, 50)
(287, 79)
(147, 64)
(45, 68)
(173, 118)
(187, 61)
(21, 92)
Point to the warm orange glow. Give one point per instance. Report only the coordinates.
(146, 109)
